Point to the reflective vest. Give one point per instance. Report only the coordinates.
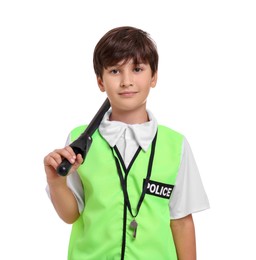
(103, 229)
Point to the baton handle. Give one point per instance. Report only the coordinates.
(82, 144)
(65, 165)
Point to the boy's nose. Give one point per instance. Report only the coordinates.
(127, 80)
(125, 85)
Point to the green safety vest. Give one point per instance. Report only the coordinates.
(103, 229)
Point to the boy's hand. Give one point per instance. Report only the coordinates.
(53, 159)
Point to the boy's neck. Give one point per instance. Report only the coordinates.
(129, 117)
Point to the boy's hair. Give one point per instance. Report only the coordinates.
(123, 44)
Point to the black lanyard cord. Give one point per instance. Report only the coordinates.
(123, 182)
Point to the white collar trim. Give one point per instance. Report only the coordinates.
(143, 133)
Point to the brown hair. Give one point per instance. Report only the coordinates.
(122, 44)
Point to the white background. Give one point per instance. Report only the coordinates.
(205, 90)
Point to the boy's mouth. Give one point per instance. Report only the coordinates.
(127, 93)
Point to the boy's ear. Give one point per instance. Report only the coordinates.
(154, 80)
(100, 84)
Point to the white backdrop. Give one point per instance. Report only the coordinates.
(205, 90)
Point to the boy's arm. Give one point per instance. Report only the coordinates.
(183, 231)
(64, 202)
(62, 197)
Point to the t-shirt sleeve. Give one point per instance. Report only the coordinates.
(188, 195)
(75, 185)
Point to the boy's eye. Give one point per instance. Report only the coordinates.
(137, 69)
(114, 71)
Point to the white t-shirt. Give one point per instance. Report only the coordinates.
(188, 195)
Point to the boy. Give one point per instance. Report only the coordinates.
(134, 195)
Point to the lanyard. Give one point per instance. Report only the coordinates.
(134, 224)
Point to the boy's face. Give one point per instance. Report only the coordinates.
(127, 85)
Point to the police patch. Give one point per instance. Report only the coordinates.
(159, 189)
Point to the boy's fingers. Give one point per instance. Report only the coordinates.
(69, 150)
(52, 159)
(67, 153)
(55, 158)
(79, 159)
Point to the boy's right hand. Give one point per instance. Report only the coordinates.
(53, 159)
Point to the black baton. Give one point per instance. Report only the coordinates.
(82, 144)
